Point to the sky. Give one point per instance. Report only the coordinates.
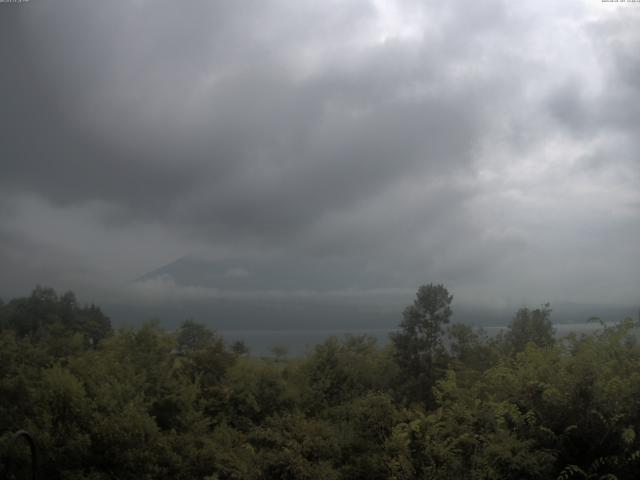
(489, 146)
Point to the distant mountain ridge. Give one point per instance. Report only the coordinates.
(247, 274)
(309, 294)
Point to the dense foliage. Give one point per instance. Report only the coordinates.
(439, 402)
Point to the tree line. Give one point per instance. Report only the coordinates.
(440, 401)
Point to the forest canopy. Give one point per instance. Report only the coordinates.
(439, 401)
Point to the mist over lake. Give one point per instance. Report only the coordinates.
(299, 342)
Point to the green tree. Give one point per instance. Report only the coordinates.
(257, 392)
(365, 424)
(339, 370)
(294, 447)
(240, 348)
(530, 326)
(44, 314)
(193, 336)
(280, 352)
(418, 345)
(470, 352)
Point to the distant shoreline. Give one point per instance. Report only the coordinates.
(299, 341)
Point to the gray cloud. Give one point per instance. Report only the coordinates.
(410, 141)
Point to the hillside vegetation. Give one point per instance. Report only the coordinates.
(441, 401)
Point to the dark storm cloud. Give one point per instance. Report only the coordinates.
(109, 108)
(25, 261)
(405, 139)
(45, 150)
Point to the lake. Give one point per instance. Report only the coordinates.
(299, 342)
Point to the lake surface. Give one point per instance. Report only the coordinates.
(299, 342)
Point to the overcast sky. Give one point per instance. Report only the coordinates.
(493, 146)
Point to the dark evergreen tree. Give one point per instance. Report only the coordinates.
(418, 345)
